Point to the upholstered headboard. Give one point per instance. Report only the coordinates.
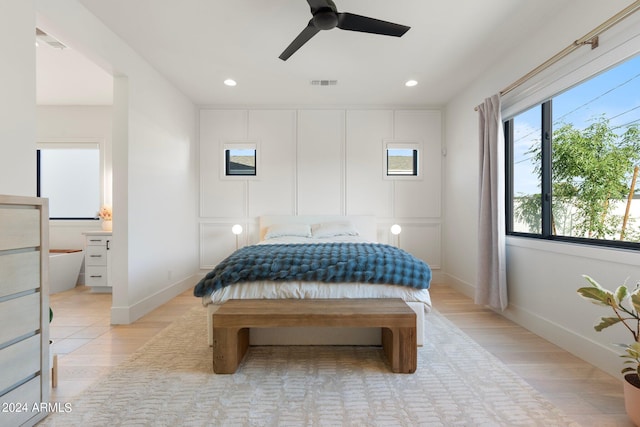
(366, 225)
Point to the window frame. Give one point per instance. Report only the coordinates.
(73, 143)
(546, 193)
(416, 147)
(241, 145)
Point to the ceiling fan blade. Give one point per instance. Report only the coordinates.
(352, 22)
(309, 31)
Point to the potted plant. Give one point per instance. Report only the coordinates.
(106, 215)
(626, 306)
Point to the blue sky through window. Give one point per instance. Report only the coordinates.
(614, 94)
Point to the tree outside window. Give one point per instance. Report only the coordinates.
(591, 135)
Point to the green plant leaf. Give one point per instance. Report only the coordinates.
(635, 300)
(634, 349)
(600, 296)
(592, 281)
(621, 294)
(605, 322)
(632, 354)
(597, 296)
(631, 351)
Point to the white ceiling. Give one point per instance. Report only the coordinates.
(197, 44)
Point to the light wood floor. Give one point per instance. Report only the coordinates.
(88, 346)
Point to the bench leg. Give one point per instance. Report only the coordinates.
(229, 347)
(401, 348)
(54, 372)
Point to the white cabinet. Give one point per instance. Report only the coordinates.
(24, 309)
(97, 261)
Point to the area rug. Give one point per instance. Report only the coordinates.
(170, 382)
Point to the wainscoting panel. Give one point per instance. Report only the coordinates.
(218, 242)
(423, 241)
(320, 167)
(366, 190)
(273, 192)
(320, 162)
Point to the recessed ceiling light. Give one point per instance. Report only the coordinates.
(230, 82)
(411, 83)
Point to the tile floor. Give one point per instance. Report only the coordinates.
(88, 346)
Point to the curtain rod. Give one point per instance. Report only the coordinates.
(591, 38)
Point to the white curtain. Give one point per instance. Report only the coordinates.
(491, 286)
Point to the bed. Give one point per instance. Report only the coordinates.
(295, 234)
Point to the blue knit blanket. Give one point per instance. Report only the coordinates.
(318, 262)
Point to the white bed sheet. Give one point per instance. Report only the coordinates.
(316, 290)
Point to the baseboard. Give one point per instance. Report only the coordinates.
(120, 315)
(127, 315)
(459, 285)
(601, 356)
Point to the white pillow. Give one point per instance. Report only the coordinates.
(281, 230)
(332, 229)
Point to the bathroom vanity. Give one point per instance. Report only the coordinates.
(97, 261)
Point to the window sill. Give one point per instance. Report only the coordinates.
(601, 253)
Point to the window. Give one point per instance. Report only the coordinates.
(573, 162)
(69, 176)
(240, 161)
(401, 160)
(525, 131)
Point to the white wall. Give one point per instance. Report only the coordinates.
(155, 173)
(76, 124)
(320, 162)
(17, 106)
(543, 276)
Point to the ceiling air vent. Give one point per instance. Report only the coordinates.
(42, 37)
(324, 82)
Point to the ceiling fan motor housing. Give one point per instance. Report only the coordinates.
(325, 19)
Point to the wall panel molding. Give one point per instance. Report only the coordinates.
(321, 161)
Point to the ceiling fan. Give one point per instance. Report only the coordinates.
(326, 17)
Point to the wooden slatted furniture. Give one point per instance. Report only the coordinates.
(24, 309)
(233, 320)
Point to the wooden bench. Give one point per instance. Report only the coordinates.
(231, 323)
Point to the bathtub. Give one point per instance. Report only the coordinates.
(64, 268)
